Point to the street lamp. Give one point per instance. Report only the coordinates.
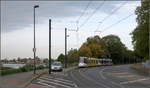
(34, 49)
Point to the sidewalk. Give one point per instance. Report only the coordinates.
(17, 80)
(21, 79)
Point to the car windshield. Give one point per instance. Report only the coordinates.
(56, 63)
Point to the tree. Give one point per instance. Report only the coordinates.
(115, 47)
(84, 51)
(18, 59)
(97, 51)
(97, 46)
(140, 35)
(61, 58)
(45, 60)
(73, 56)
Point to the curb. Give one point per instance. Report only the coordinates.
(34, 78)
(140, 68)
(68, 69)
(43, 73)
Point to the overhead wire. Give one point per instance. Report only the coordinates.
(85, 9)
(109, 15)
(117, 22)
(86, 20)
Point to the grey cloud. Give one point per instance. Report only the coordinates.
(18, 15)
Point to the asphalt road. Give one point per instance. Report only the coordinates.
(96, 77)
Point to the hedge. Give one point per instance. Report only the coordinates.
(22, 69)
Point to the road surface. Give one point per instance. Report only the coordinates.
(95, 77)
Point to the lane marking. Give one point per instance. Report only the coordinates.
(55, 83)
(92, 80)
(121, 73)
(101, 74)
(133, 81)
(46, 84)
(71, 84)
(71, 74)
(127, 76)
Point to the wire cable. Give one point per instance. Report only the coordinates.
(109, 15)
(85, 9)
(117, 22)
(86, 20)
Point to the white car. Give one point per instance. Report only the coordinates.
(56, 66)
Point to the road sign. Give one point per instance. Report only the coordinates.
(34, 49)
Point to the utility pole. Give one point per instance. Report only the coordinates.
(66, 61)
(49, 46)
(34, 48)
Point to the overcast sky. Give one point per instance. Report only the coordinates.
(17, 24)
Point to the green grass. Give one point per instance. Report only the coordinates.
(22, 69)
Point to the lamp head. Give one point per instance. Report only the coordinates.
(36, 6)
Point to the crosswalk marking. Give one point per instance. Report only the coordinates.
(63, 80)
(54, 83)
(59, 81)
(46, 84)
(63, 74)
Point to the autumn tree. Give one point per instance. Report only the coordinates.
(96, 50)
(84, 51)
(100, 44)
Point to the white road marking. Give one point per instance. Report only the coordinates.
(120, 73)
(75, 79)
(56, 78)
(127, 76)
(133, 81)
(46, 84)
(63, 80)
(92, 80)
(63, 74)
(101, 74)
(71, 84)
(54, 83)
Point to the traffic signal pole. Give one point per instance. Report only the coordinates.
(49, 46)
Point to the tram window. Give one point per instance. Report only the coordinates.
(85, 61)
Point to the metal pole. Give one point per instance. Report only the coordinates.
(65, 47)
(49, 46)
(34, 49)
(34, 43)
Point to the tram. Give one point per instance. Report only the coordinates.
(89, 62)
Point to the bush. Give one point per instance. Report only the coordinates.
(22, 69)
(40, 67)
(10, 71)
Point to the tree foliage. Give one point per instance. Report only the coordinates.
(85, 51)
(61, 58)
(140, 35)
(96, 47)
(115, 47)
(73, 56)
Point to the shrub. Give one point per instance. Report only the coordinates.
(40, 67)
(10, 71)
